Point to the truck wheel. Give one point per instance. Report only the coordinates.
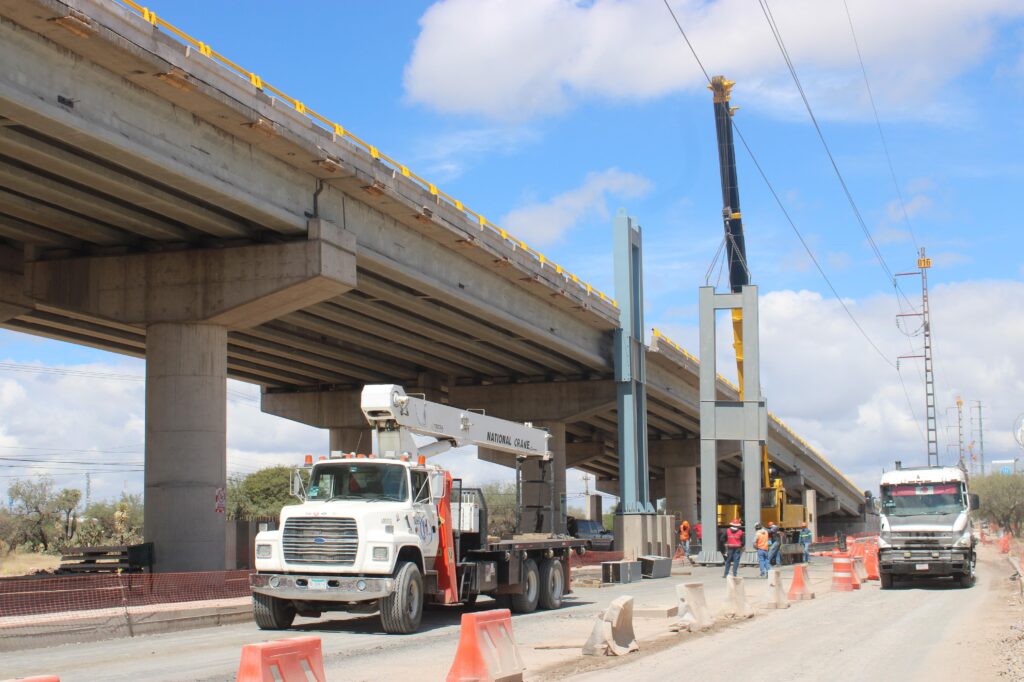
(967, 579)
(886, 580)
(552, 584)
(527, 601)
(272, 613)
(402, 610)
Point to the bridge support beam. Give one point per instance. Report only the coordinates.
(187, 301)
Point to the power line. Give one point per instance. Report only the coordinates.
(769, 17)
(782, 207)
(878, 123)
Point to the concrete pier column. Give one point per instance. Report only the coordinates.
(811, 506)
(186, 445)
(681, 492)
(595, 512)
(351, 439)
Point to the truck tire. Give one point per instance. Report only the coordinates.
(402, 610)
(272, 613)
(886, 580)
(967, 579)
(552, 584)
(527, 601)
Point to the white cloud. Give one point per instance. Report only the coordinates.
(508, 59)
(545, 223)
(827, 383)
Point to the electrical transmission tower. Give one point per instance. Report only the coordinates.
(981, 435)
(923, 264)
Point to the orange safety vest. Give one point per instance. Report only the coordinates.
(761, 540)
(733, 538)
(684, 531)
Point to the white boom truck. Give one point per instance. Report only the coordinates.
(385, 531)
(926, 527)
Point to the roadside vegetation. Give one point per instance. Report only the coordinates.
(41, 521)
(1002, 500)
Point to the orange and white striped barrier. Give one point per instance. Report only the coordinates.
(800, 589)
(487, 649)
(285, 656)
(842, 572)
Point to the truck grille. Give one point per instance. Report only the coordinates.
(922, 537)
(320, 540)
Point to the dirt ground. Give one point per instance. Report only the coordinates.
(17, 563)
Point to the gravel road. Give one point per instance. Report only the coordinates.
(924, 632)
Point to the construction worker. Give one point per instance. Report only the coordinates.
(806, 538)
(733, 546)
(684, 538)
(775, 549)
(761, 545)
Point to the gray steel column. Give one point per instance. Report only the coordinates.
(751, 401)
(708, 441)
(630, 373)
(186, 445)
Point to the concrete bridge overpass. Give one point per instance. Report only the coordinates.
(159, 201)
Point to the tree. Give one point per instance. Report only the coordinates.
(32, 503)
(117, 522)
(65, 507)
(501, 507)
(1002, 499)
(261, 494)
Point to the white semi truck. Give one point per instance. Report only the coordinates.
(385, 531)
(926, 527)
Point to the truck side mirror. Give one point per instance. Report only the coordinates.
(975, 502)
(297, 488)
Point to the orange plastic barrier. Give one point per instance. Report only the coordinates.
(286, 656)
(842, 572)
(858, 571)
(801, 587)
(41, 678)
(487, 649)
(1004, 544)
(871, 565)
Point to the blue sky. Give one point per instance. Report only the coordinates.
(546, 116)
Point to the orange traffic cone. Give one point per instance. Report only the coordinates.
(842, 572)
(801, 587)
(871, 565)
(1004, 543)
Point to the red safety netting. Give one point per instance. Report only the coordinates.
(593, 558)
(41, 611)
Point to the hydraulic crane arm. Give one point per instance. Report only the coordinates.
(394, 416)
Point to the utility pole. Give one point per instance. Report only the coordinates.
(88, 489)
(981, 437)
(960, 427)
(923, 264)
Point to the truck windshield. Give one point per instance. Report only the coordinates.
(912, 499)
(359, 481)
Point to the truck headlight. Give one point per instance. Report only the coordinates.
(885, 539)
(264, 551)
(380, 553)
(965, 539)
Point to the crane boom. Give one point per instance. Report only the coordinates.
(394, 416)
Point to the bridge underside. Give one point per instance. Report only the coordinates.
(154, 205)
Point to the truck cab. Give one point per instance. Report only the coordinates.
(926, 528)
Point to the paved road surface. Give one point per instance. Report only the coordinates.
(906, 634)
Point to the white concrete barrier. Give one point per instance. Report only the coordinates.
(736, 604)
(613, 631)
(775, 597)
(694, 613)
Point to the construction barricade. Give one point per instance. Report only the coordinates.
(800, 589)
(613, 631)
(775, 596)
(285, 656)
(736, 604)
(693, 611)
(41, 678)
(487, 649)
(871, 565)
(1004, 543)
(842, 573)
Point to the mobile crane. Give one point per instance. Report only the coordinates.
(387, 531)
(774, 504)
